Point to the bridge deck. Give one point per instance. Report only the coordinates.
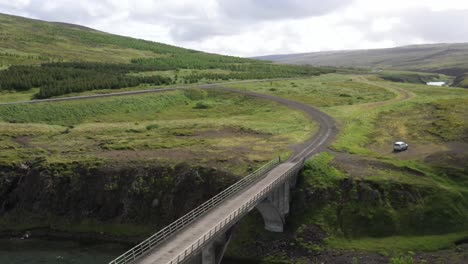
(179, 242)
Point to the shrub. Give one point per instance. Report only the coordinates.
(151, 127)
(201, 105)
(133, 131)
(402, 260)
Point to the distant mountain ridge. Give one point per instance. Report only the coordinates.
(447, 58)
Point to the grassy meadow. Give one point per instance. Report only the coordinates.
(373, 114)
(175, 126)
(322, 91)
(366, 108)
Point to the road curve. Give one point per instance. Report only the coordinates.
(165, 252)
(327, 126)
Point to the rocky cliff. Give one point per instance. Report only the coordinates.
(133, 199)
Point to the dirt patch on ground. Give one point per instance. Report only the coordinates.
(24, 141)
(215, 157)
(456, 156)
(353, 165)
(458, 147)
(163, 154)
(210, 155)
(174, 154)
(415, 150)
(228, 132)
(313, 234)
(357, 166)
(292, 252)
(453, 154)
(458, 255)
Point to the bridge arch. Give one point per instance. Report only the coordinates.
(275, 207)
(273, 219)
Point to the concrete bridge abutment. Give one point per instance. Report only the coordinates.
(275, 207)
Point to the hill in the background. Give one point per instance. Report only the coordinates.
(450, 59)
(29, 41)
(75, 59)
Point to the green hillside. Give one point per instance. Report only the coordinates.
(29, 41)
(61, 59)
(461, 81)
(450, 59)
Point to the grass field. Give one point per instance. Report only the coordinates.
(323, 91)
(171, 127)
(373, 113)
(461, 81)
(374, 215)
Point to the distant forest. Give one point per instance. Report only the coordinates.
(55, 79)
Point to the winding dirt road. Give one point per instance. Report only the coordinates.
(316, 143)
(400, 94)
(327, 127)
(188, 236)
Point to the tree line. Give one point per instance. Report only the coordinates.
(252, 75)
(59, 78)
(55, 79)
(206, 61)
(192, 60)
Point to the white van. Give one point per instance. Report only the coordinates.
(400, 146)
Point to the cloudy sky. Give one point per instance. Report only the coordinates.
(260, 27)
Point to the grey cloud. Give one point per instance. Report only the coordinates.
(234, 16)
(278, 9)
(199, 30)
(77, 12)
(424, 24)
(186, 23)
(436, 26)
(189, 22)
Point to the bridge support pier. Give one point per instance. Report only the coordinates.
(275, 207)
(213, 252)
(208, 255)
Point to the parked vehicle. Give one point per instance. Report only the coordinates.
(400, 146)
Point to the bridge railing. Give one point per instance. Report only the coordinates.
(193, 215)
(227, 222)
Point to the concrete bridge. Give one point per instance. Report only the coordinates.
(202, 235)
